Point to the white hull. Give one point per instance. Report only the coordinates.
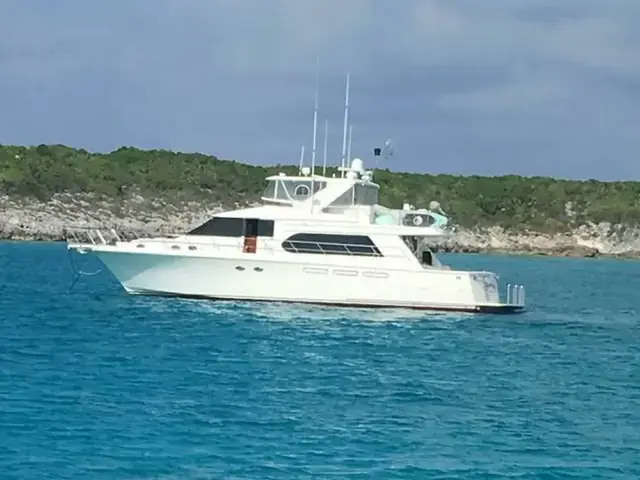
(251, 278)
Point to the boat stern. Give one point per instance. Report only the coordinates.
(486, 291)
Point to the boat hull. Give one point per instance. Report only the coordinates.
(488, 309)
(250, 278)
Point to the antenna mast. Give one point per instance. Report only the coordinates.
(315, 118)
(349, 144)
(326, 134)
(344, 132)
(301, 158)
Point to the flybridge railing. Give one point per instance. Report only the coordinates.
(104, 236)
(92, 236)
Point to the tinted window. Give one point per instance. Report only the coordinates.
(221, 227)
(251, 227)
(270, 190)
(327, 244)
(235, 227)
(366, 194)
(265, 228)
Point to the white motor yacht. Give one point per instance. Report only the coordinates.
(313, 239)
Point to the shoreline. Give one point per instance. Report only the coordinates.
(29, 220)
(562, 252)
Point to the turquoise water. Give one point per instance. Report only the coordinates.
(96, 384)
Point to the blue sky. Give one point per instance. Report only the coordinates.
(542, 87)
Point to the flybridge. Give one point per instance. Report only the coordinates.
(319, 193)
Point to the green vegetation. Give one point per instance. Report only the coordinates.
(536, 203)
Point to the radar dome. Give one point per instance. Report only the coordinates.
(357, 165)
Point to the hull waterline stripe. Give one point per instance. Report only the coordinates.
(488, 309)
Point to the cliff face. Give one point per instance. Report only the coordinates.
(585, 241)
(28, 219)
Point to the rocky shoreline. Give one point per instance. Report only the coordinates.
(25, 219)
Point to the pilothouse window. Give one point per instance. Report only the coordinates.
(366, 194)
(270, 191)
(291, 189)
(359, 194)
(344, 200)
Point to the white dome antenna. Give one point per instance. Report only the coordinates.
(434, 206)
(357, 165)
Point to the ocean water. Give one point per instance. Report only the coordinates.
(95, 384)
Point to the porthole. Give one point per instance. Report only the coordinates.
(240, 268)
(258, 269)
(192, 247)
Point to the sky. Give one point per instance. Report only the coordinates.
(491, 87)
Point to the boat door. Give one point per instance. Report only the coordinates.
(250, 243)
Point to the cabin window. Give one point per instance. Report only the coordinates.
(251, 227)
(317, 186)
(330, 244)
(366, 194)
(359, 194)
(235, 227)
(270, 191)
(344, 200)
(265, 228)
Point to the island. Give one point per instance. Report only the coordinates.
(46, 188)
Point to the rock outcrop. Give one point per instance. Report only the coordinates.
(28, 219)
